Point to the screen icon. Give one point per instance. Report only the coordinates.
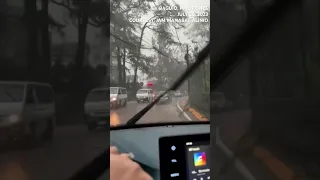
(174, 175)
(200, 159)
(173, 148)
(173, 160)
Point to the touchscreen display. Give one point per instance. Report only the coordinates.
(197, 156)
(185, 157)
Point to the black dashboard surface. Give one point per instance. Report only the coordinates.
(143, 142)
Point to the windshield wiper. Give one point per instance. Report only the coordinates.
(200, 58)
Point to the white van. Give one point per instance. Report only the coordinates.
(118, 97)
(145, 95)
(27, 110)
(97, 109)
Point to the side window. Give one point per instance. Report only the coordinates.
(124, 91)
(151, 91)
(30, 98)
(44, 94)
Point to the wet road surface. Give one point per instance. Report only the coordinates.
(72, 148)
(159, 113)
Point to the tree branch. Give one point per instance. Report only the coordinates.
(93, 24)
(66, 6)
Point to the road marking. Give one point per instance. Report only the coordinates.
(197, 115)
(114, 119)
(192, 110)
(184, 114)
(279, 168)
(276, 166)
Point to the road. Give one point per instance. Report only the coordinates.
(159, 113)
(73, 146)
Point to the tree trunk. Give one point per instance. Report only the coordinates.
(139, 53)
(46, 42)
(119, 66)
(250, 9)
(31, 14)
(82, 31)
(81, 49)
(188, 65)
(124, 67)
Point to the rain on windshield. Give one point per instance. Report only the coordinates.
(150, 48)
(65, 53)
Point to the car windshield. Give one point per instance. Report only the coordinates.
(151, 47)
(98, 95)
(113, 90)
(269, 99)
(11, 93)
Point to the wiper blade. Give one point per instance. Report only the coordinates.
(200, 58)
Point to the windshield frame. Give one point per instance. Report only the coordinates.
(148, 125)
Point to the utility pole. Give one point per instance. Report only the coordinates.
(186, 57)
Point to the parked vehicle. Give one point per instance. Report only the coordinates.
(177, 94)
(145, 95)
(97, 108)
(167, 98)
(118, 97)
(27, 111)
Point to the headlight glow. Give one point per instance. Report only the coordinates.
(113, 99)
(13, 118)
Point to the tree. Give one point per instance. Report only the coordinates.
(166, 43)
(82, 13)
(38, 22)
(122, 32)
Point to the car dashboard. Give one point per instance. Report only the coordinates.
(143, 143)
